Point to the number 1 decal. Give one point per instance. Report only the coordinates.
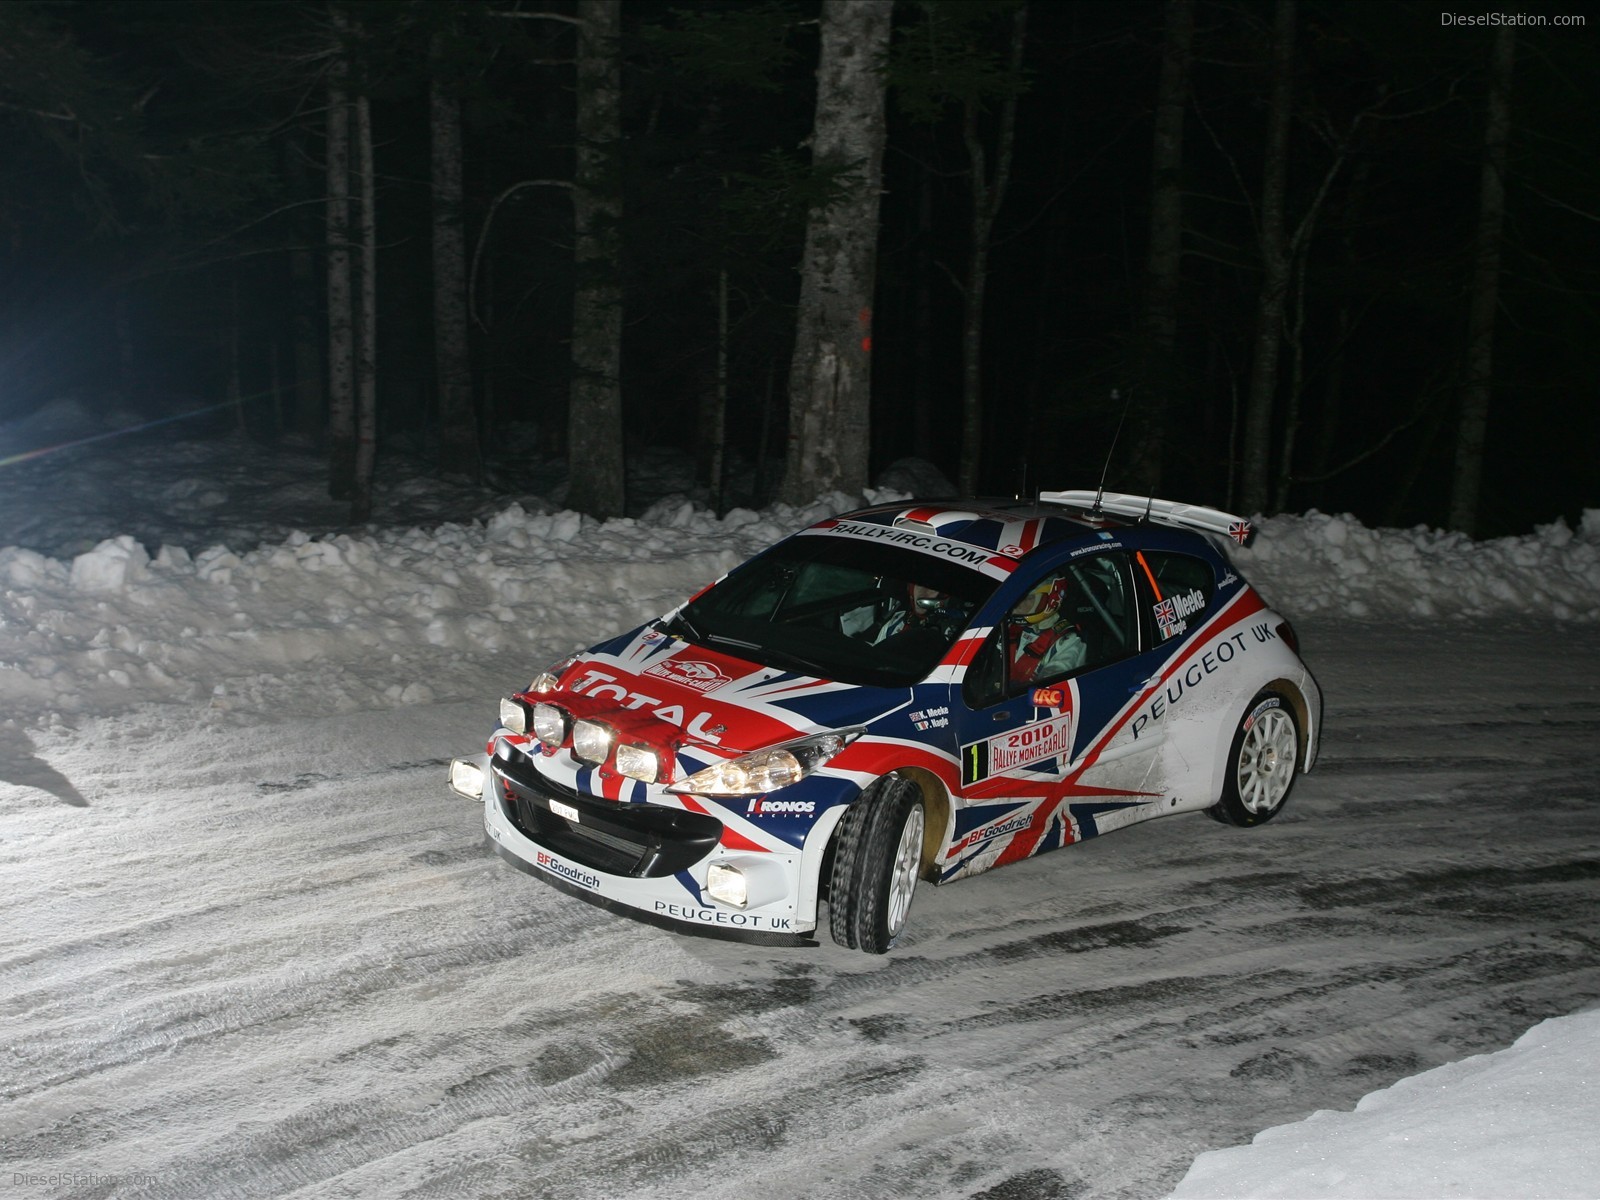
(974, 763)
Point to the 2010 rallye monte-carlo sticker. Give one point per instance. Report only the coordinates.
(1017, 748)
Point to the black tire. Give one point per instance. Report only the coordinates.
(876, 860)
(1262, 762)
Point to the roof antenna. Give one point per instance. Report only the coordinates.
(1110, 450)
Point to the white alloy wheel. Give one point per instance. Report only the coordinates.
(903, 875)
(1267, 761)
(1261, 762)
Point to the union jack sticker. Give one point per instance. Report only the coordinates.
(1167, 618)
(1239, 531)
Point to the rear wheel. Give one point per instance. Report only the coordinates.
(1261, 763)
(877, 857)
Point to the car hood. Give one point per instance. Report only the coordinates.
(658, 690)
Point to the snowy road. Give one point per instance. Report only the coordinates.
(269, 959)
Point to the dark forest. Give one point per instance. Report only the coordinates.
(1265, 256)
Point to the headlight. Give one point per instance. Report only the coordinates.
(466, 778)
(513, 715)
(748, 881)
(725, 882)
(638, 762)
(591, 740)
(767, 770)
(549, 725)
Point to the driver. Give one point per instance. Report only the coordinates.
(927, 608)
(1040, 642)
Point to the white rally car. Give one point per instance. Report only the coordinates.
(908, 692)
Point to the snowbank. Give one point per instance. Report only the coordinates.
(1319, 563)
(115, 626)
(1519, 1123)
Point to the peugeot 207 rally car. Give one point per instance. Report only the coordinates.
(907, 692)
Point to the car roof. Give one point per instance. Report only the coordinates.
(1015, 528)
(1008, 527)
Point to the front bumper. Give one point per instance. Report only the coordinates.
(645, 860)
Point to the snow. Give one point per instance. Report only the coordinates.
(177, 595)
(1335, 564)
(1519, 1123)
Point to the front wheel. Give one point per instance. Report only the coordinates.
(1261, 763)
(876, 860)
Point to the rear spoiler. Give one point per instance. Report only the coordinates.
(1167, 512)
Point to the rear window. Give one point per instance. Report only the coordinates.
(1176, 590)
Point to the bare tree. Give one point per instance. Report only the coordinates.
(966, 57)
(341, 330)
(594, 437)
(988, 193)
(367, 321)
(830, 375)
(1275, 269)
(714, 410)
(1164, 258)
(1475, 392)
(458, 426)
(309, 389)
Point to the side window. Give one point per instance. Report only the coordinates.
(1074, 618)
(1174, 590)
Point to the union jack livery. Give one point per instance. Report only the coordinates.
(914, 691)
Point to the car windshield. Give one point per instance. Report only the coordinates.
(839, 609)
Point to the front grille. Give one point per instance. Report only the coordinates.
(643, 841)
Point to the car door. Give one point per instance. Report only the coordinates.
(1046, 756)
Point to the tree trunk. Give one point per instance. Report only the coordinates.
(1275, 263)
(1294, 334)
(305, 411)
(1159, 396)
(367, 328)
(594, 431)
(458, 422)
(830, 376)
(987, 197)
(1473, 427)
(717, 430)
(769, 402)
(341, 332)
